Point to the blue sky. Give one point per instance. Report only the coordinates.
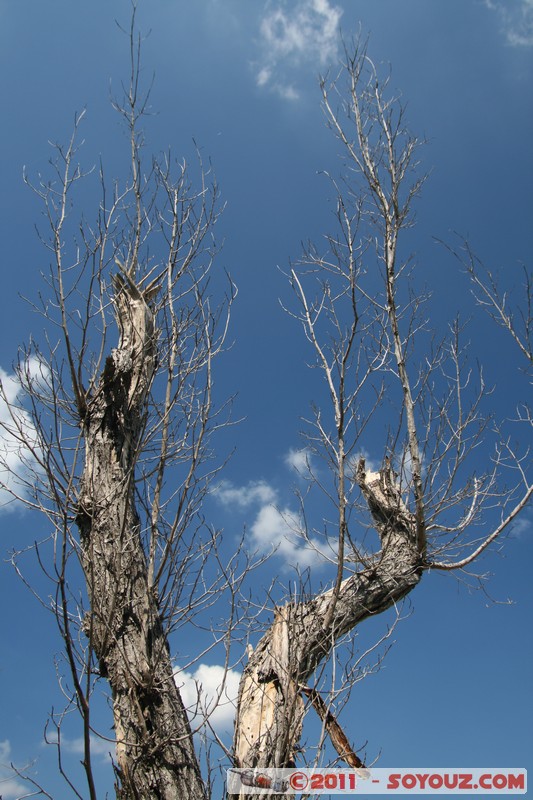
(240, 77)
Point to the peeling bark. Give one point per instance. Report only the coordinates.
(155, 754)
(270, 709)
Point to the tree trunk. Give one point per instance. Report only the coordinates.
(270, 708)
(155, 753)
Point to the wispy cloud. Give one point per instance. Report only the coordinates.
(299, 460)
(522, 525)
(517, 20)
(294, 36)
(99, 747)
(244, 496)
(10, 787)
(275, 527)
(18, 436)
(210, 692)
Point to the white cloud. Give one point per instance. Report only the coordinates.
(10, 787)
(99, 747)
(517, 20)
(17, 433)
(244, 496)
(280, 530)
(522, 525)
(293, 36)
(287, 92)
(298, 459)
(202, 696)
(263, 76)
(274, 529)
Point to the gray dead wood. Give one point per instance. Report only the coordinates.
(155, 753)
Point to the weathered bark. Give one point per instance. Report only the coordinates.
(155, 754)
(270, 709)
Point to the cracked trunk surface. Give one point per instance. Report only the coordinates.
(155, 754)
(270, 707)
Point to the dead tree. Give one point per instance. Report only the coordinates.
(124, 626)
(364, 326)
(124, 395)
